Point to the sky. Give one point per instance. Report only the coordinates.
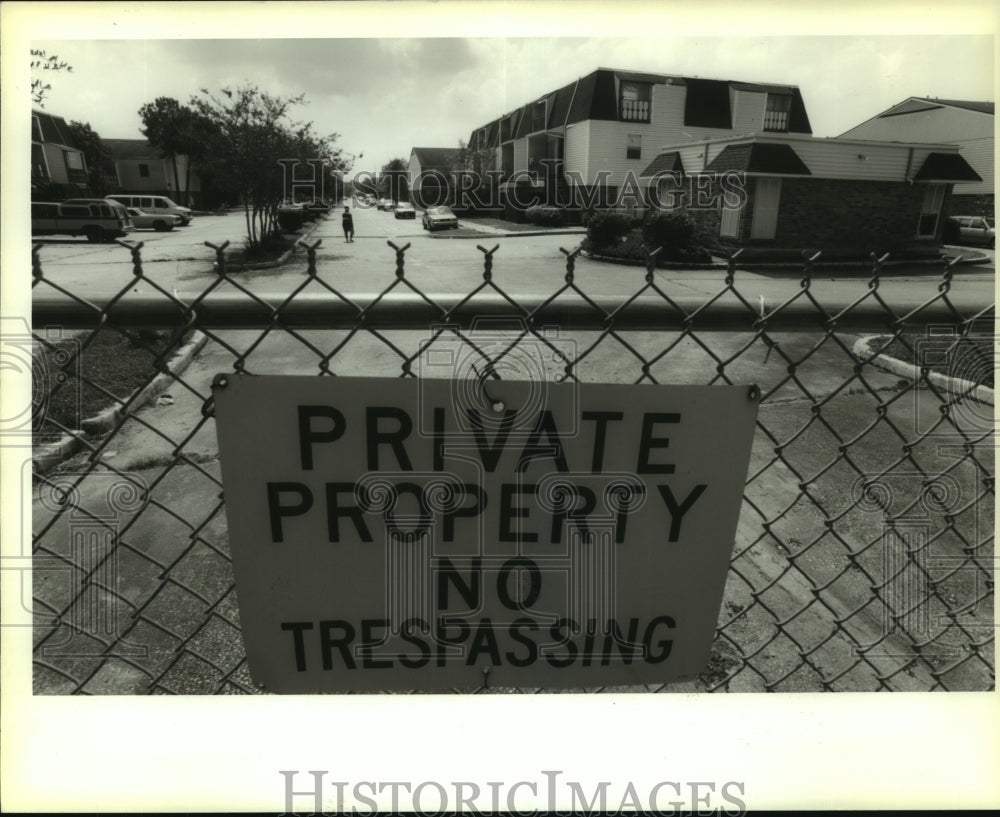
(384, 96)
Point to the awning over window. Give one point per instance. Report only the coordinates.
(669, 162)
(778, 160)
(946, 167)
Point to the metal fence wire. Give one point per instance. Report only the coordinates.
(864, 553)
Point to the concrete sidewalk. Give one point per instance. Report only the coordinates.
(189, 624)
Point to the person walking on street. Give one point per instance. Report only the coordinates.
(348, 223)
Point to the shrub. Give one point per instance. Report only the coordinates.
(671, 231)
(544, 216)
(608, 229)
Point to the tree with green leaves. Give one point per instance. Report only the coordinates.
(477, 160)
(177, 130)
(100, 163)
(43, 65)
(252, 134)
(394, 176)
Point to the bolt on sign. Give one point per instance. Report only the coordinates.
(423, 534)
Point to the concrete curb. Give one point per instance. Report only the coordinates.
(281, 260)
(790, 265)
(629, 262)
(512, 234)
(111, 417)
(48, 456)
(952, 385)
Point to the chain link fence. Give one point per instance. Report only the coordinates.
(864, 554)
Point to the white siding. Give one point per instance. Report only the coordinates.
(942, 125)
(748, 115)
(693, 157)
(971, 130)
(979, 154)
(608, 140)
(576, 148)
(412, 170)
(521, 154)
(608, 143)
(668, 113)
(827, 159)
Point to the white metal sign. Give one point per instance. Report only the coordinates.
(410, 534)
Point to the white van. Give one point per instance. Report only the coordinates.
(154, 205)
(98, 219)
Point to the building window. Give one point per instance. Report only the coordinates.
(776, 112)
(76, 171)
(144, 171)
(930, 211)
(634, 102)
(634, 149)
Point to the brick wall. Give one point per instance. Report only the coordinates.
(866, 216)
(841, 217)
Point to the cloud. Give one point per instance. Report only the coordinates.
(387, 95)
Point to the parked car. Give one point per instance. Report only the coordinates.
(969, 230)
(435, 217)
(384, 204)
(155, 205)
(99, 220)
(405, 210)
(150, 221)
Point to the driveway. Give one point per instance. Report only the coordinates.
(171, 446)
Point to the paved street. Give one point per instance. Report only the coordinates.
(813, 442)
(179, 261)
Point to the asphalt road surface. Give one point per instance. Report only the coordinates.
(796, 557)
(180, 262)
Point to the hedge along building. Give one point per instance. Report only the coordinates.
(775, 194)
(586, 143)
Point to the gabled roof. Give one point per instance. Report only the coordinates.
(131, 149)
(773, 159)
(665, 162)
(436, 157)
(979, 107)
(946, 167)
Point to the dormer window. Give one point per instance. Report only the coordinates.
(634, 102)
(538, 116)
(776, 112)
